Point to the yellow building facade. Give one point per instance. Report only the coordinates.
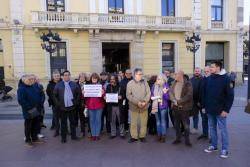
(111, 35)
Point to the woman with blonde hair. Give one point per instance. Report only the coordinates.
(160, 96)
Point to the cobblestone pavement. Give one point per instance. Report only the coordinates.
(117, 152)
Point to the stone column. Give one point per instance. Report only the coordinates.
(95, 51)
(16, 9)
(137, 50)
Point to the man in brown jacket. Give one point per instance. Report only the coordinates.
(181, 95)
(138, 94)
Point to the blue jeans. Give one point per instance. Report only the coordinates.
(213, 120)
(95, 120)
(161, 121)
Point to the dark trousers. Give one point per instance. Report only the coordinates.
(79, 114)
(106, 120)
(56, 119)
(170, 111)
(65, 115)
(181, 117)
(204, 118)
(31, 128)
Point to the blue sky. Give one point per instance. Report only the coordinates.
(246, 11)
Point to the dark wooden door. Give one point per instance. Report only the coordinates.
(58, 59)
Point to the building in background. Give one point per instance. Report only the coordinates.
(110, 35)
(245, 49)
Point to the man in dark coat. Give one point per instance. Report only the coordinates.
(67, 97)
(181, 93)
(50, 88)
(104, 82)
(123, 86)
(218, 100)
(115, 114)
(196, 81)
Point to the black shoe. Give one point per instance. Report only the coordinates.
(202, 137)
(123, 137)
(56, 134)
(143, 140)
(63, 140)
(75, 138)
(176, 142)
(132, 140)
(29, 144)
(187, 143)
(112, 137)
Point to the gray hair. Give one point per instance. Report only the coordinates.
(136, 70)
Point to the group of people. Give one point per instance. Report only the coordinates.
(143, 105)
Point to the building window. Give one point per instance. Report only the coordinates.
(1, 46)
(217, 10)
(214, 52)
(168, 61)
(56, 5)
(116, 6)
(168, 7)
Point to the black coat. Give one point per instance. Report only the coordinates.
(49, 92)
(58, 94)
(197, 88)
(123, 86)
(115, 89)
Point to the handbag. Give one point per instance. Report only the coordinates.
(33, 112)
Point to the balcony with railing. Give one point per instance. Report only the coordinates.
(108, 21)
(217, 24)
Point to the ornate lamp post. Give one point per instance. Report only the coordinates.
(48, 41)
(193, 44)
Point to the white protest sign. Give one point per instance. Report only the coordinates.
(112, 97)
(93, 90)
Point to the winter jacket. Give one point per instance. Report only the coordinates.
(58, 94)
(218, 94)
(49, 92)
(186, 99)
(138, 91)
(29, 97)
(197, 88)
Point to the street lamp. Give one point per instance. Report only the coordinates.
(48, 41)
(193, 44)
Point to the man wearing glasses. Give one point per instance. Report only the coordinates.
(66, 98)
(138, 94)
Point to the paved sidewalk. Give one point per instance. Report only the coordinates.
(117, 152)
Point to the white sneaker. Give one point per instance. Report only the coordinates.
(40, 136)
(194, 131)
(210, 149)
(224, 154)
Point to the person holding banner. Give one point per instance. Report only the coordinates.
(94, 94)
(114, 102)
